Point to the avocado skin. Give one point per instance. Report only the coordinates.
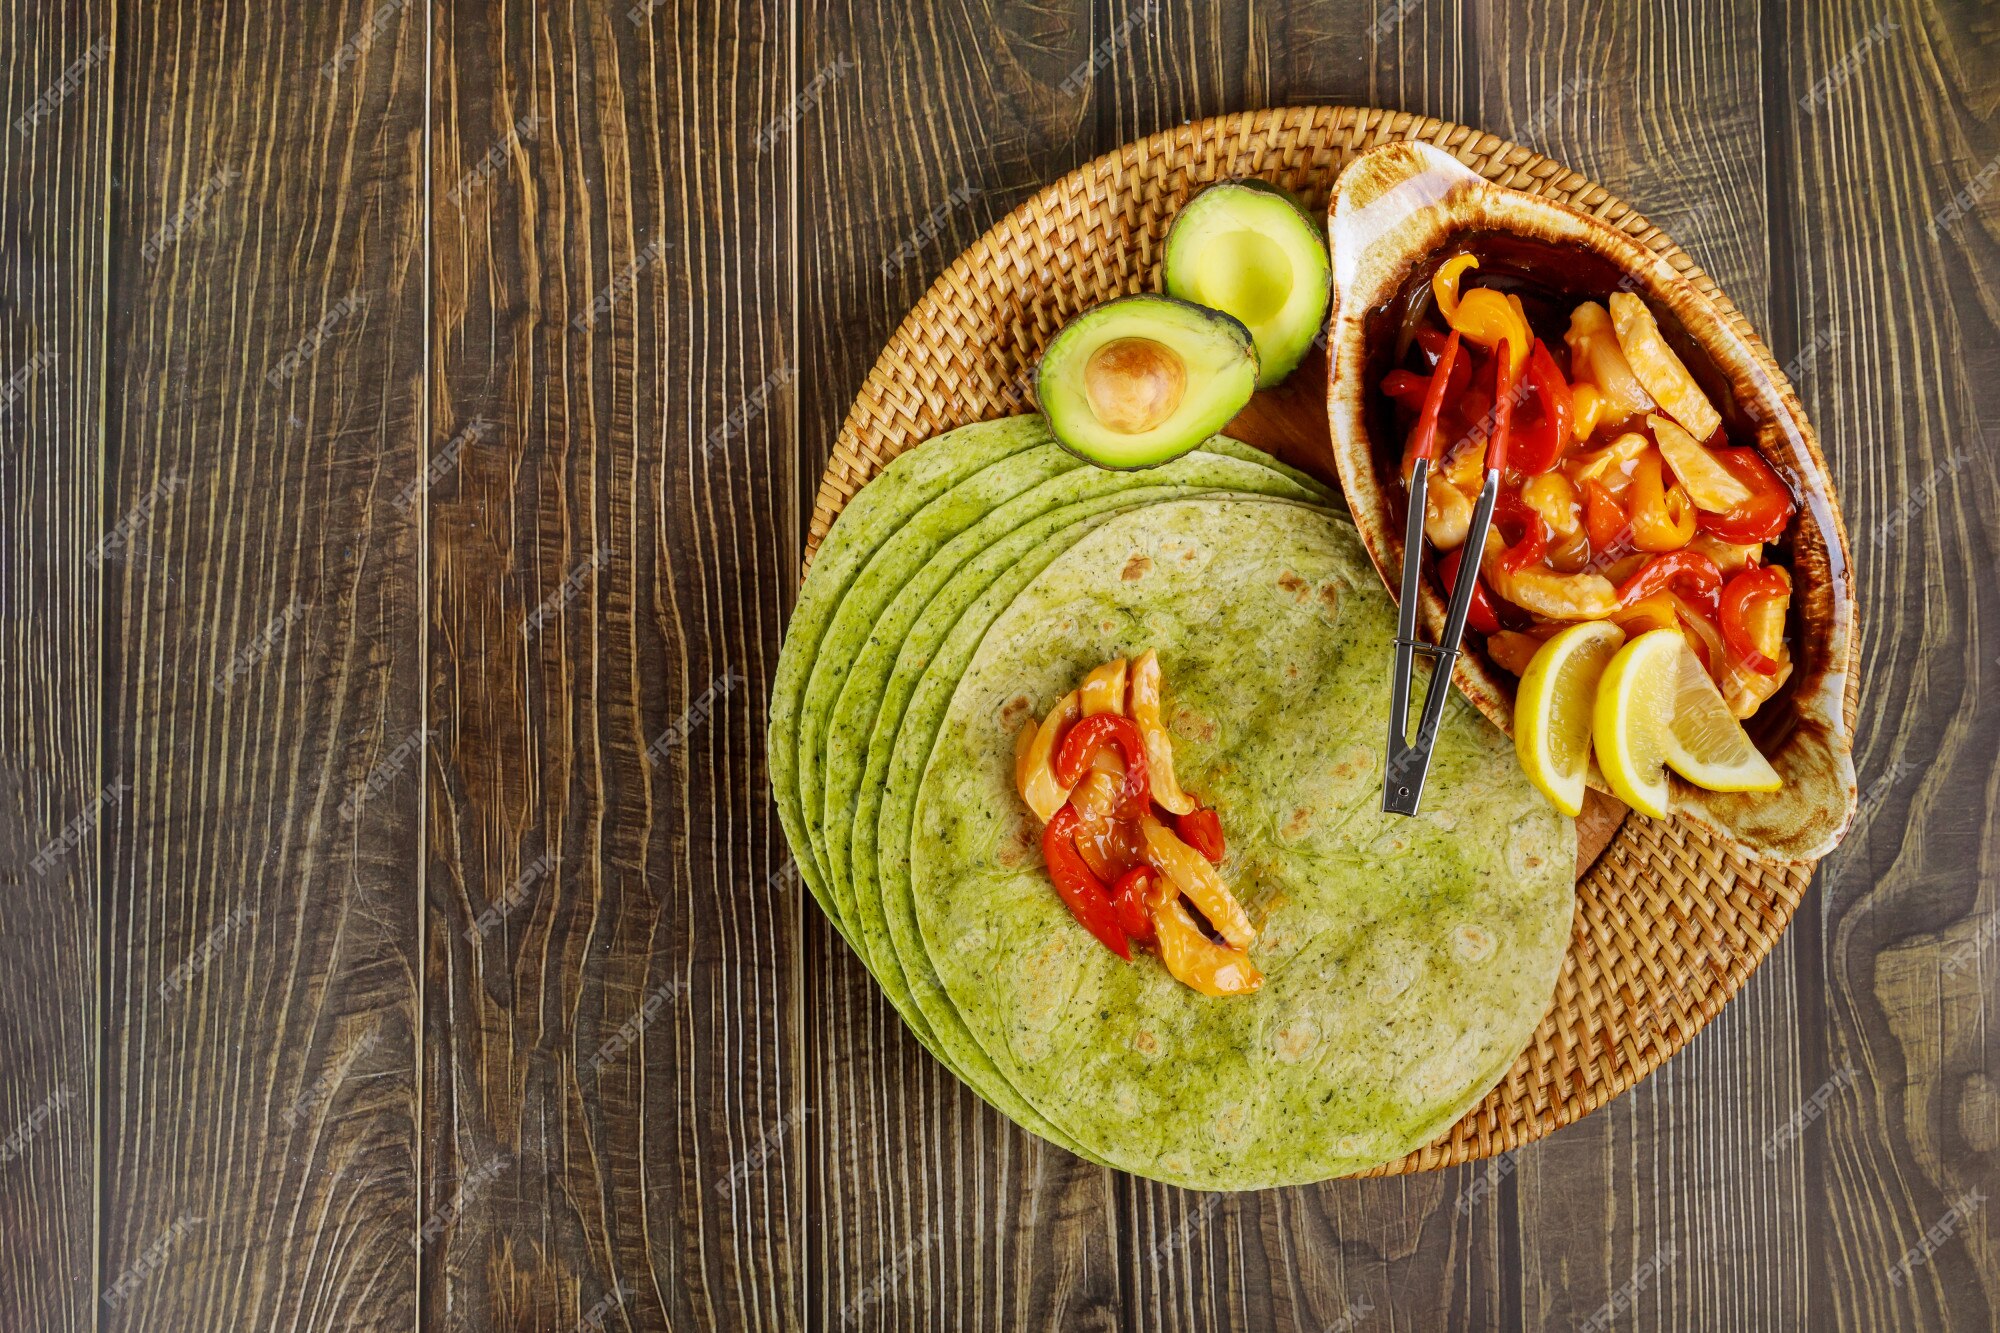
(1219, 355)
(1283, 341)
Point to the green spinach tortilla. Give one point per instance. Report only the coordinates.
(1406, 961)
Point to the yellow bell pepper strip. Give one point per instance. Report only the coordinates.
(1034, 771)
(1662, 516)
(1648, 613)
(1187, 871)
(1103, 690)
(1197, 961)
(1483, 315)
(1586, 407)
(1143, 697)
(1086, 896)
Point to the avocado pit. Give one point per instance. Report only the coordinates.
(1134, 384)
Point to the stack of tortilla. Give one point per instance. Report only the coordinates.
(1406, 961)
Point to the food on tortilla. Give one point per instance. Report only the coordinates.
(1404, 962)
(1119, 870)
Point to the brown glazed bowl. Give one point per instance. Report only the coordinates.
(1397, 213)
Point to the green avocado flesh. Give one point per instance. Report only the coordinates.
(1251, 250)
(1406, 961)
(1135, 382)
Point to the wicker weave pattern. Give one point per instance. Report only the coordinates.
(1669, 922)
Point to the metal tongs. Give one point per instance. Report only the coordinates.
(1410, 761)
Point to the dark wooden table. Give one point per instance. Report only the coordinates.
(395, 930)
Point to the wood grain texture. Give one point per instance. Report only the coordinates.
(1899, 977)
(259, 1153)
(55, 116)
(610, 983)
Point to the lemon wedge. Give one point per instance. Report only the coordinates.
(1656, 708)
(1553, 709)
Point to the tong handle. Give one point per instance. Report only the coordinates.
(1409, 761)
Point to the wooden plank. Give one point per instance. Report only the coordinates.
(938, 1212)
(1888, 152)
(261, 652)
(1335, 1254)
(1675, 1168)
(55, 106)
(611, 985)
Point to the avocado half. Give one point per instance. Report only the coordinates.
(1250, 249)
(1139, 381)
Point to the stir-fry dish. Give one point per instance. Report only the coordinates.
(1132, 854)
(1621, 498)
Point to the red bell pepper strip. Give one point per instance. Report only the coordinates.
(1752, 585)
(1542, 442)
(1423, 440)
(1696, 574)
(1201, 829)
(1081, 891)
(1481, 616)
(1534, 542)
(1130, 902)
(1770, 507)
(1408, 388)
(1503, 408)
(1085, 739)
